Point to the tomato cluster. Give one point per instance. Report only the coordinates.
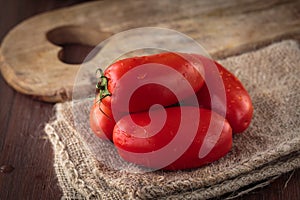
(197, 118)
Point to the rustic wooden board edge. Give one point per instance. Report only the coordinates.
(11, 79)
(61, 94)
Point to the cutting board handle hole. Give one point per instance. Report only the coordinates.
(76, 42)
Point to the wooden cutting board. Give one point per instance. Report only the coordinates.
(41, 56)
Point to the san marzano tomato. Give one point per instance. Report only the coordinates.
(101, 121)
(155, 79)
(236, 103)
(138, 143)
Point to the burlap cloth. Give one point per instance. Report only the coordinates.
(267, 149)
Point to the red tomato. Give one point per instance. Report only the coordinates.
(238, 104)
(102, 122)
(160, 80)
(137, 142)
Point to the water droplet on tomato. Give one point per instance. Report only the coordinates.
(204, 129)
(128, 135)
(141, 76)
(246, 123)
(198, 140)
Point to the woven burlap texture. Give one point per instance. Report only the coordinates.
(268, 148)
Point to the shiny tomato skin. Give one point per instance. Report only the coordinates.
(149, 94)
(133, 139)
(102, 124)
(238, 104)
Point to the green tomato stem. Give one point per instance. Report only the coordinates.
(102, 85)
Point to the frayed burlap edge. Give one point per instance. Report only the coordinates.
(73, 186)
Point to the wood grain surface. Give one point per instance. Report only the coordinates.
(26, 158)
(32, 52)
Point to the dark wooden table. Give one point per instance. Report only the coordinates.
(26, 156)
